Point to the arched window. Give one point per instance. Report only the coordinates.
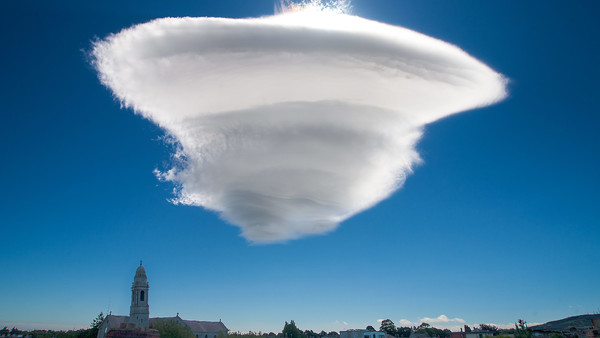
(142, 296)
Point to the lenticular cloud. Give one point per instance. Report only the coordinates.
(289, 124)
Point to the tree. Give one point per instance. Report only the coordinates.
(97, 321)
(370, 328)
(310, 334)
(322, 333)
(95, 325)
(291, 331)
(423, 326)
(5, 331)
(238, 334)
(467, 329)
(388, 327)
(432, 331)
(521, 329)
(171, 329)
(488, 327)
(404, 331)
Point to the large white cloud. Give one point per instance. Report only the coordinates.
(289, 124)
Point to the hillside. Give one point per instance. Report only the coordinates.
(579, 322)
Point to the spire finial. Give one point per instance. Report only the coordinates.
(140, 262)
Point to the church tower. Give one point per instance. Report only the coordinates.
(139, 312)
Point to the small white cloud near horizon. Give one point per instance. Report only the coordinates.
(405, 322)
(338, 325)
(441, 319)
(441, 322)
(287, 125)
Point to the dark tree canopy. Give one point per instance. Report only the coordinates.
(310, 334)
(423, 326)
(433, 331)
(387, 326)
(404, 331)
(291, 331)
(488, 327)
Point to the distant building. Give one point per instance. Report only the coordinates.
(360, 333)
(477, 333)
(414, 334)
(139, 324)
(200, 329)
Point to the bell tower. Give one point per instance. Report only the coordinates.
(139, 312)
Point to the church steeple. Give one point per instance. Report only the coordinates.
(139, 312)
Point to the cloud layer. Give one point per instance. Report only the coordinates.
(289, 124)
(441, 319)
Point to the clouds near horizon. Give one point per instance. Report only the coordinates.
(444, 322)
(441, 319)
(287, 125)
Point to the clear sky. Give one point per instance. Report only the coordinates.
(499, 222)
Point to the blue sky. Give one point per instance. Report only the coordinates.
(499, 222)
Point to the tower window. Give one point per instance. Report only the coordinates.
(142, 296)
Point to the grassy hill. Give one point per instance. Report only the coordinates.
(579, 322)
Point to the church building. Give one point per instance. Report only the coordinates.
(139, 324)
